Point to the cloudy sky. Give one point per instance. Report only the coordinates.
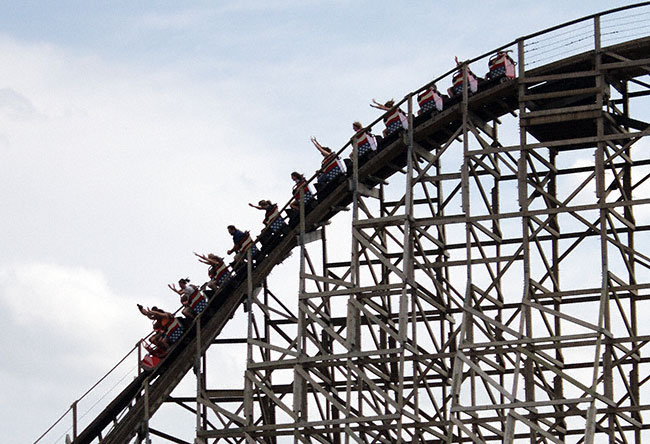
(133, 133)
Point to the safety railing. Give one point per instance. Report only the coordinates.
(93, 401)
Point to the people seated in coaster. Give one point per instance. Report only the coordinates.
(430, 100)
(272, 218)
(167, 328)
(218, 271)
(300, 184)
(501, 65)
(156, 345)
(367, 146)
(242, 241)
(331, 166)
(394, 119)
(457, 81)
(365, 141)
(275, 226)
(192, 299)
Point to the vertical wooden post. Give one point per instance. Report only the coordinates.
(199, 377)
(74, 419)
(145, 424)
(248, 382)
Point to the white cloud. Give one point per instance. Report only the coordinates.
(173, 21)
(16, 106)
(193, 16)
(145, 160)
(51, 288)
(65, 300)
(64, 327)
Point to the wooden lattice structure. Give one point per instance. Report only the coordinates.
(459, 317)
(498, 284)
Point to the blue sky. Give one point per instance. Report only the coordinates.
(133, 133)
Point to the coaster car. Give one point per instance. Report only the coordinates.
(430, 100)
(149, 362)
(501, 66)
(457, 83)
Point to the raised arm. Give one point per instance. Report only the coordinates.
(173, 288)
(208, 260)
(143, 310)
(315, 142)
(324, 151)
(378, 105)
(202, 258)
(151, 314)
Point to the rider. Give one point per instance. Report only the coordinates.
(394, 119)
(272, 218)
(218, 271)
(366, 142)
(331, 166)
(275, 225)
(242, 242)
(501, 65)
(167, 329)
(193, 300)
(457, 80)
(430, 100)
(301, 184)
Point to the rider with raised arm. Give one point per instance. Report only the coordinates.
(457, 80)
(193, 300)
(275, 226)
(331, 168)
(272, 218)
(394, 119)
(167, 329)
(218, 271)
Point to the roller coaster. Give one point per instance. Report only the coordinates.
(498, 286)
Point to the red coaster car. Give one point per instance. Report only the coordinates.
(457, 86)
(430, 99)
(501, 66)
(153, 358)
(150, 362)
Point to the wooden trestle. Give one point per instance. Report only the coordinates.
(498, 289)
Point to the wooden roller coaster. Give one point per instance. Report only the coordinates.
(500, 294)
